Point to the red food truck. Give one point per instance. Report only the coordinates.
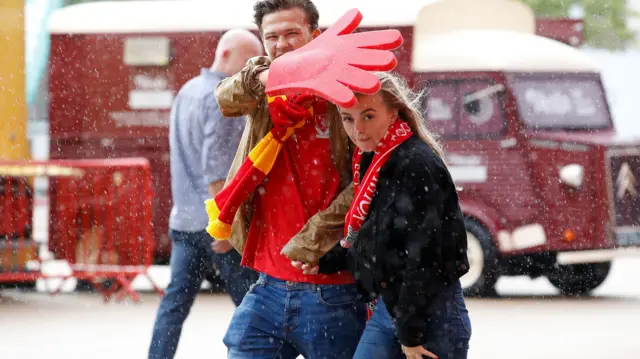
(547, 188)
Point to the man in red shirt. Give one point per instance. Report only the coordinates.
(298, 210)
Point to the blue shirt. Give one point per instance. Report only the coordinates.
(202, 145)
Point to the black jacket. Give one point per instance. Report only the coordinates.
(412, 244)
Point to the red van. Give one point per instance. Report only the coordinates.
(546, 186)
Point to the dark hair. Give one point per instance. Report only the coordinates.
(266, 7)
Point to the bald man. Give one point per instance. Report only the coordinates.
(202, 146)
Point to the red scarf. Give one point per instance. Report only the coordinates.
(287, 116)
(364, 190)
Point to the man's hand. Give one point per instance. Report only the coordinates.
(221, 247)
(308, 269)
(417, 352)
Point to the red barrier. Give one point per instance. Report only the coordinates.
(99, 221)
(17, 248)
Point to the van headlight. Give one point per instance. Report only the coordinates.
(572, 175)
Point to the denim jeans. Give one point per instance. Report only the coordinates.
(191, 256)
(448, 330)
(279, 319)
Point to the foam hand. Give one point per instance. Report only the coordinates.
(336, 63)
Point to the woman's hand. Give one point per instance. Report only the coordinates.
(417, 352)
(305, 268)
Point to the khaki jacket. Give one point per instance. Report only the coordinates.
(243, 95)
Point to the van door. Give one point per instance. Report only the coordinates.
(483, 155)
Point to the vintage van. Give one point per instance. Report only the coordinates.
(546, 185)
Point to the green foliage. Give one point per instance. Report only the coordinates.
(605, 21)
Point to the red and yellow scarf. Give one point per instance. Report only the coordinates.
(287, 116)
(365, 189)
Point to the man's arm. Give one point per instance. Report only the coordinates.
(322, 232)
(325, 229)
(241, 93)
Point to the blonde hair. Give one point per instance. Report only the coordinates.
(397, 95)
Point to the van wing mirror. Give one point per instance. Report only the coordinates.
(471, 101)
(475, 96)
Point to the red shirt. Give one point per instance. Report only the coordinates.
(302, 182)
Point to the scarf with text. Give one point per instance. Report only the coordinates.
(364, 189)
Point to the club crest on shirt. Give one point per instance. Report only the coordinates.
(322, 126)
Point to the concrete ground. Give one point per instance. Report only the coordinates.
(529, 321)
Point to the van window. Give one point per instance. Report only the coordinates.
(466, 109)
(481, 109)
(440, 108)
(563, 102)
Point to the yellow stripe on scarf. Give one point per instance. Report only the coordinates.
(265, 153)
(216, 228)
(270, 99)
(212, 208)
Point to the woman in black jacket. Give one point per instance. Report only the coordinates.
(405, 231)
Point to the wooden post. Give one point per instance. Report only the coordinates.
(14, 144)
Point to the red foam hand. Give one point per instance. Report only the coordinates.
(336, 63)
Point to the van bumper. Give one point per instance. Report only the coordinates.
(595, 256)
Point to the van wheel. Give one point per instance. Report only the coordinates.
(483, 272)
(579, 279)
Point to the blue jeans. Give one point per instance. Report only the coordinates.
(448, 330)
(191, 256)
(279, 319)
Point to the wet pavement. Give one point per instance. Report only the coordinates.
(529, 321)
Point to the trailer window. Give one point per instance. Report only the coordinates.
(147, 51)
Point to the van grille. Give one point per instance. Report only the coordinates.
(624, 194)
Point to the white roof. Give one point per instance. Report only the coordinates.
(451, 35)
(496, 50)
(451, 15)
(487, 35)
(210, 15)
